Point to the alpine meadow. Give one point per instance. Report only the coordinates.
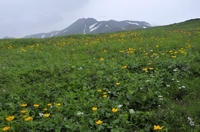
(140, 80)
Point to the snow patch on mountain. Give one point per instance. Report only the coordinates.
(144, 27)
(65, 31)
(52, 34)
(95, 27)
(43, 36)
(106, 25)
(132, 23)
(56, 33)
(84, 30)
(90, 27)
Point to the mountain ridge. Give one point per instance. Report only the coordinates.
(92, 26)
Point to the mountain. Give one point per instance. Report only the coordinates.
(92, 26)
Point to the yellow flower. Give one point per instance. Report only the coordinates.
(145, 69)
(117, 83)
(157, 127)
(130, 49)
(6, 128)
(28, 118)
(154, 54)
(122, 51)
(157, 46)
(149, 63)
(104, 92)
(99, 122)
(23, 111)
(23, 50)
(49, 104)
(45, 109)
(23, 105)
(175, 52)
(36, 105)
(129, 52)
(101, 59)
(150, 68)
(99, 90)
(174, 57)
(94, 108)
(24, 116)
(104, 50)
(10, 118)
(124, 67)
(46, 115)
(58, 104)
(114, 110)
(170, 51)
(183, 52)
(105, 95)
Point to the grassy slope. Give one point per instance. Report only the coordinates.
(68, 70)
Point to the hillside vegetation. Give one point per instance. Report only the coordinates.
(134, 81)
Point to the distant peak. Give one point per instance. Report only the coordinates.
(87, 18)
(88, 25)
(83, 20)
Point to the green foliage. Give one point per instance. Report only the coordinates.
(138, 81)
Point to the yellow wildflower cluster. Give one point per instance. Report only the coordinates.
(99, 90)
(122, 51)
(124, 67)
(10, 47)
(23, 50)
(154, 54)
(182, 51)
(49, 104)
(173, 56)
(28, 118)
(36, 105)
(23, 105)
(99, 122)
(58, 104)
(10, 118)
(146, 69)
(130, 50)
(157, 127)
(101, 59)
(94, 108)
(46, 115)
(117, 83)
(6, 128)
(188, 46)
(114, 110)
(23, 111)
(105, 95)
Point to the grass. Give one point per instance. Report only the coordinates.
(134, 81)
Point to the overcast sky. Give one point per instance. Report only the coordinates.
(19, 18)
